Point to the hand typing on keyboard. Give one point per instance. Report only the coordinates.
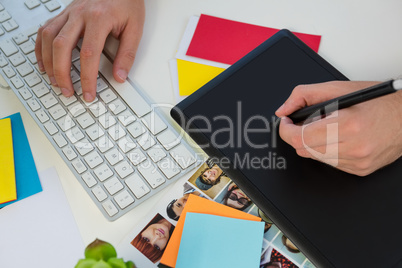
(93, 20)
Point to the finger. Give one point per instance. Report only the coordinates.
(92, 45)
(49, 32)
(307, 95)
(38, 45)
(63, 44)
(129, 42)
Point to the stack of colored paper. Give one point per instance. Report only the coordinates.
(18, 175)
(211, 44)
(209, 234)
(8, 190)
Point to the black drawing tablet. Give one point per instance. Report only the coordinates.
(335, 219)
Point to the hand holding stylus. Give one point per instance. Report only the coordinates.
(359, 139)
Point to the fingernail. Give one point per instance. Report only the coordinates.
(122, 74)
(41, 67)
(280, 108)
(88, 97)
(65, 91)
(53, 81)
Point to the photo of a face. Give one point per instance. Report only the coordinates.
(209, 178)
(176, 206)
(152, 240)
(272, 258)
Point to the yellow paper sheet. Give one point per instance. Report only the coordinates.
(8, 190)
(193, 75)
(198, 205)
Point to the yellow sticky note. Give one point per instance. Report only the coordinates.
(8, 190)
(193, 75)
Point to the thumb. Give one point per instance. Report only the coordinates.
(125, 54)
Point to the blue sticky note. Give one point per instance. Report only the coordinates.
(26, 174)
(214, 241)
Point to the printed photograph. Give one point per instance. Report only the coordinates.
(283, 244)
(209, 178)
(268, 223)
(232, 196)
(153, 238)
(176, 206)
(272, 258)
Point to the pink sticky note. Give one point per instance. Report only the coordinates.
(227, 41)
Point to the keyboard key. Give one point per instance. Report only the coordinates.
(113, 185)
(27, 47)
(9, 72)
(79, 166)
(137, 185)
(65, 123)
(51, 128)
(183, 156)
(17, 59)
(168, 167)
(93, 159)
(76, 109)
(123, 169)
(4, 15)
(74, 135)
(32, 58)
(136, 156)
(74, 76)
(156, 154)
(56, 90)
(85, 120)
(104, 144)
(103, 172)
(114, 156)
(25, 93)
(24, 69)
(48, 100)
(126, 117)
(100, 85)
(151, 174)
(107, 120)
(168, 139)
(60, 140)
(154, 123)
(31, 3)
(97, 109)
(123, 199)
(17, 82)
(107, 95)
(117, 107)
(99, 193)
(75, 54)
(68, 100)
(3, 61)
(89, 179)
(10, 25)
(57, 112)
(20, 38)
(32, 79)
(126, 144)
(40, 90)
(146, 141)
(70, 154)
(42, 116)
(110, 208)
(52, 5)
(116, 132)
(83, 147)
(136, 129)
(94, 132)
(33, 104)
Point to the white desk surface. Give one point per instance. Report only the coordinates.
(362, 38)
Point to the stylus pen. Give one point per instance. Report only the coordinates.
(347, 100)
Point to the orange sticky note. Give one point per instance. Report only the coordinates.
(8, 190)
(198, 205)
(193, 75)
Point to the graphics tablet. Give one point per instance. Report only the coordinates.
(334, 218)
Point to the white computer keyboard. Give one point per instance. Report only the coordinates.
(120, 149)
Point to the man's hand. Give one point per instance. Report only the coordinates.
(367, 136)
(93, 20)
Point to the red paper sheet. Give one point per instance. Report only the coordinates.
(227, 41)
